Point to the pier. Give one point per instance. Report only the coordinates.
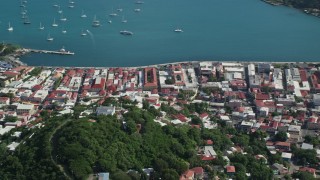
(60, 52)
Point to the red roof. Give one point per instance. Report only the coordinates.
(303, 75)
(209, 142)
(203, 115)
(197, 170)
(153, 76)
(231, 169)
(207, 158)
(261, 96)
(10, 73)
(307, 169)
(279, 143)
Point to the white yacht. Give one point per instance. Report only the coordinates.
(49, 38)
(95, 23)
(83, 15)
(54, 24)
(62, 18)
(41, 27)
(178, 30)
(10, 28)
(83, 33)
(127, 33)
(124, 20)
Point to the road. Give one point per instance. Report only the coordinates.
(52, 158)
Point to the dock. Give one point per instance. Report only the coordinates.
(60, 52)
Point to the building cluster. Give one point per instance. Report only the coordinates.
(268, 97)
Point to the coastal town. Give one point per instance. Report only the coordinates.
(281, 100)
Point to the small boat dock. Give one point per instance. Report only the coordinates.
(60, 52)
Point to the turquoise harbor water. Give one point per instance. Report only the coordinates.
(241, 30)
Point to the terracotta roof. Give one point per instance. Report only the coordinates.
(279, 143)
(307, 169)
(231, 169)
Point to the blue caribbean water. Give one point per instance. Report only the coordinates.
(237, 30)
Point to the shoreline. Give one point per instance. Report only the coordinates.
(14, 59)
(310, 11)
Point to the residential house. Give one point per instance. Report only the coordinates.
(105, 110)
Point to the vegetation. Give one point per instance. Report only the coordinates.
(32, 159)
(7, 49)
(36, 71)
(281, 136)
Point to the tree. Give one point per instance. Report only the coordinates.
(170, 174)
(196, 120)
(303, 175)
(281, 136)
(10, 119)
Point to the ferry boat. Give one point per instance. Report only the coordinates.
(127, 33)
(95, 23)
(10, 28)
(64, 52)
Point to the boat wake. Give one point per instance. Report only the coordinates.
(92, 38)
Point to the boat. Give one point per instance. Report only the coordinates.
(63, 18)
(95, 23)
(124, 20)
(127, 33)
(71, 2)
(64, 31)
(137, 10)
(59, 10)
(41, 27)
(178, 30)
(49, 38)
(71, 6)
(109, 21)
(64, 52)
(26, 20)
(83, 15)
(113, 14)
(54, 24)
(55, 5)
(139, 2)
(10, 28)
(119, 9)
(83, 33)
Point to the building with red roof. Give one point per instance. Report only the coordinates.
(309, 170)
(98, 85)
(230, 170)
(150, 78)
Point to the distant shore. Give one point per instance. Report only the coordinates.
(312, 11)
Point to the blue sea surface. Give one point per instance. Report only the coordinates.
(237, 30)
